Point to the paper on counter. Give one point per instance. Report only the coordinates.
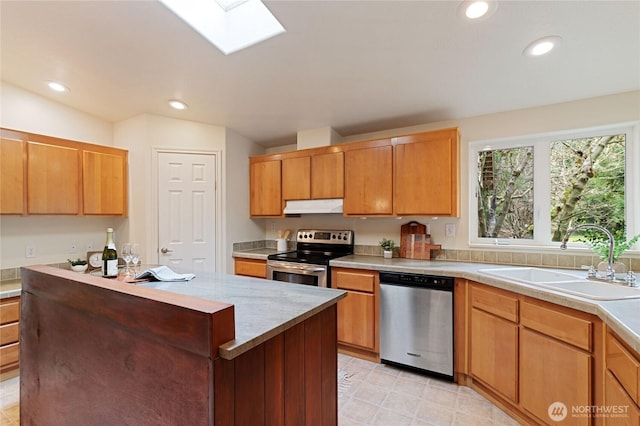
(164, 273)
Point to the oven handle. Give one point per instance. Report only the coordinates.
(297, 267)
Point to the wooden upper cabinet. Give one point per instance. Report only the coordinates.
(47, 175)
(104, 182)
(296, 178)
(314, 176)
(369, 180)
(12, 179)
(265, 182)
(327, 175)
(426, 173)
(53, 183)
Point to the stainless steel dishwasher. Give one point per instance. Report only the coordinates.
(416, 322)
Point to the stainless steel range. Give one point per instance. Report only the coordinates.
(309, 263)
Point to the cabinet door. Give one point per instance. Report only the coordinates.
(552, 371)
(296, 178)
(494, 352)
(265, 188)
(53, 182)
(426, 174)
(356, 324)
(615, 396)
(11, 176)
(327, 175)
(104, 183)
(369, 181)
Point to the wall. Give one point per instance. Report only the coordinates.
(238, 226)
(606, 110)
(144, 136)
(52, 236)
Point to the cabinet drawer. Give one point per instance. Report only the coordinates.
(623, 365)
(9, 333)
(10, 311)
(562, 326)
(9, 354)
(359, 281)
(495, 302)
(251, 267)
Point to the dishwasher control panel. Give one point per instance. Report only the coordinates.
(416, 280)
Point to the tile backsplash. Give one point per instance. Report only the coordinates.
(547, 260)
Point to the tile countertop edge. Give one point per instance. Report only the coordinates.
(232, 349)
(619, 315)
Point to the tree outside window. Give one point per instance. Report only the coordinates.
(530, 191)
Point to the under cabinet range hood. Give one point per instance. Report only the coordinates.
(332, 205)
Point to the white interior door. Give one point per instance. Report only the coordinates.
(186, 211)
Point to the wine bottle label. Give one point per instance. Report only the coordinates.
(112, 268)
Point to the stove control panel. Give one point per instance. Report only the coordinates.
(325, 236)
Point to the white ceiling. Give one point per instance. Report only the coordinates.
(356, 66)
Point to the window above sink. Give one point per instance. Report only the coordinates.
(529, 189)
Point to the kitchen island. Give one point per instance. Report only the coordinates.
(219, 349)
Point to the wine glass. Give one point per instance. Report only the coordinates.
(135, 256)
(126, 256)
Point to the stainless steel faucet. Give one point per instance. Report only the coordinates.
(610, 274)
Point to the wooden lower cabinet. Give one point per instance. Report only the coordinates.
(622, 410)
(358, 313)
(552, 371)
(9, 336)
(525, 354)
(494, 354)
(250, 267)
(621, 383)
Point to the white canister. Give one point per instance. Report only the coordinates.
(281, 244)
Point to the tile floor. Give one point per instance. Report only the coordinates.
(368, 394)
(378, 394)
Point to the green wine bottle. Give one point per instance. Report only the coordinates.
(109, 257)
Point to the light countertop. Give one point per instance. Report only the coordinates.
(9, 288)
(263, 309)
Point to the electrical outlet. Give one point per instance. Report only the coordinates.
(450, 230)
(428, 228)
(273, 226)
(30, 251)
(73, 249)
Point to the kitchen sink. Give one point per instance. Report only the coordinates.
(531, 275)
(565, 283)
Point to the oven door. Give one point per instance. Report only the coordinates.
(297, 273)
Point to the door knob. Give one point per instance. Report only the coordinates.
(165, 250)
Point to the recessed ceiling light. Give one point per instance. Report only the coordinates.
(542, 46)
(176, 104)
(57, 87)
(476, 9)
(230, 25)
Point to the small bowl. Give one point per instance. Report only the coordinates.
(79, 268)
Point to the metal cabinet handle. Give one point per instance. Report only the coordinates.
(165, 250)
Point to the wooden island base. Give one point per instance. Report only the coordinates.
(95, 351)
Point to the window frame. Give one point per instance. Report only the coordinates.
(541, 191)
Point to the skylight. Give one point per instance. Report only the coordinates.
(231, 25)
